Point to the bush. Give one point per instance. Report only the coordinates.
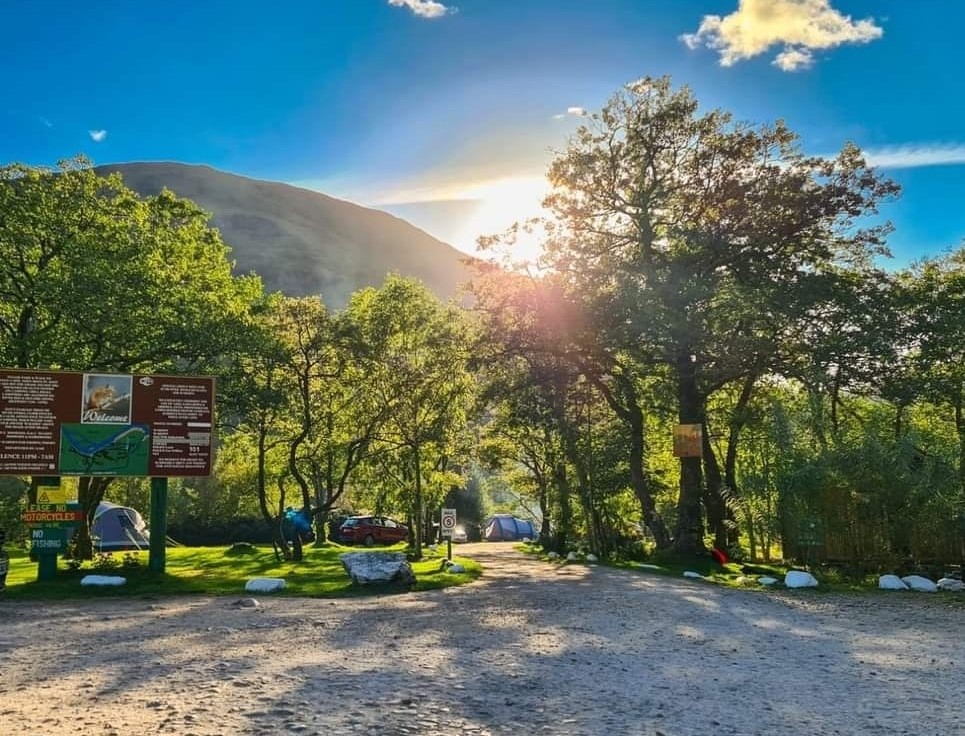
(216, 533)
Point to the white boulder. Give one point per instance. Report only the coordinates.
(800, 579)
(572, 557)
(767, 580)
(108, 580)
(695, 575)
(951, 584)
(917, 582)
(377, 567)
(264, 585)
(891, 582)
(552, 556)
(456, 567)
(592, 558)
(648, 566)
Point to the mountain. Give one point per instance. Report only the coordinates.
(301, 242)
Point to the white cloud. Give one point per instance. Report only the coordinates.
(792, 59)
(424, 8)
(800, 26)
(46, 123)
(912, 155)
(576, 112)
(97, 135)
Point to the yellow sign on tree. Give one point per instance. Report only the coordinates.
(688, 440)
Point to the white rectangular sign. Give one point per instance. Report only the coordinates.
(448, 522)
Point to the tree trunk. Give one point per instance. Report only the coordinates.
(630, 412)
(714, 501)
(640, 480)
(564, 530)
(418, 502)
(731, 532)
(960, 430)
(90, 493)
(689, 532)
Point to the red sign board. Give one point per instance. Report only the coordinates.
(58, 423)
(61, 515)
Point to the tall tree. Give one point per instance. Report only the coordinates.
(94, 277)
(415, 360)
(692, 241)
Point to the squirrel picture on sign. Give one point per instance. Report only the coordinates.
(688, 440)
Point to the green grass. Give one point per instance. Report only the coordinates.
(829, 581)
(211, 571)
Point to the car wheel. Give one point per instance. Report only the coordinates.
(369, 541)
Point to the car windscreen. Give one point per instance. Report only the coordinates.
(352, 522)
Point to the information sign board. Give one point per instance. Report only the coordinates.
(61, 423)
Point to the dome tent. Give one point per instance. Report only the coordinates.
(507, 528)
(118, 528)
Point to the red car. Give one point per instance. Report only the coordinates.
(369, 530)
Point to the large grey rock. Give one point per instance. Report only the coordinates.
(891, 582)
(800, 579)
(264, 585)
(377, 567)
(917, 582)
(951, 584)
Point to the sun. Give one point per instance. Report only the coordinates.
(502, 203)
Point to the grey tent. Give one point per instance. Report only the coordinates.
(507, 528)
(118, 528)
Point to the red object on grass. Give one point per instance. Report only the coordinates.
(720, 557)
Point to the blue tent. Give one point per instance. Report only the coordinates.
(507, 528)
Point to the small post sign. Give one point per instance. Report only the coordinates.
(688, 440)
(448, 524)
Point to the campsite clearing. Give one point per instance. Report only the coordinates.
(531, 647)
(215, 571)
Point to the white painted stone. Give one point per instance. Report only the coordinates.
(917, 582)
(264, 585)
(891, 582)
(767, 580)
(800, 579)
(456, 567)
(592, 558)
(694, 575)
(951, 584)
(552, 556)
(377, 567)
(97, 580)
(572, 557)
(648, 566)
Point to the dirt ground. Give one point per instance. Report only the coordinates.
(530, 648)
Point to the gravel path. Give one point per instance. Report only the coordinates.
(530, 648)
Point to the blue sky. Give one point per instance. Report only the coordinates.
(446, 112)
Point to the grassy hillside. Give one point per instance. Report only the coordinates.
(302, 242)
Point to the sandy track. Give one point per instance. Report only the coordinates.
(530, 648)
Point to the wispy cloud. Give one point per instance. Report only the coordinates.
(424, 8)
(575, 112)
(46, 123)
(97, 135)
(794, 59)
(800, 26)
(913, 155)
